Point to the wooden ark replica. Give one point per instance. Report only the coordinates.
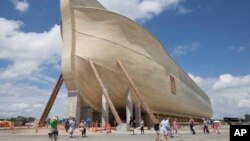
(110, 60)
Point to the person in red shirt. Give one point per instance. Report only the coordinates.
(175, 126)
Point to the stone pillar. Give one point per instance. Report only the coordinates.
(138, 113)
(129, 106)
(74, 105)
(123, 127)
(105, 111)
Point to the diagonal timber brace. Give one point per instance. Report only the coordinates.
(50, 101)
(105, 92)
(138, 94)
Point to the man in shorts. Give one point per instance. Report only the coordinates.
(164, 129)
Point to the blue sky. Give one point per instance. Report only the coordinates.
(209, 39)
(220, 29)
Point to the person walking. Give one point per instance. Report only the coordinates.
(53, 123)
(164, 130)
(175, 126)
(217, 126)
(72, 126)
(205, 126)
(157, 131)
(142, 126)
(132, 125)
(191, 124)
(169, 128)
(82, 128)
(88, 121)
(66, 125)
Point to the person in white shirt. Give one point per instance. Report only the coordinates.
(142, 126)
(164, 130)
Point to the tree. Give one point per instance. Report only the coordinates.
(247, 117)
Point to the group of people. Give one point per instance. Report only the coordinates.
(215, 125)
(70, 126)
(132, 124)
(164, 127)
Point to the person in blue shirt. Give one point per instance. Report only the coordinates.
(72, 126)
(164, 126)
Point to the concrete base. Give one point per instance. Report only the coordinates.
(73, 106)
(123, 127)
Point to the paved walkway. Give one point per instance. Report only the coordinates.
(184, 135)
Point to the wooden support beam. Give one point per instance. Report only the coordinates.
(139, 96)
(105, 92)
(50, 101)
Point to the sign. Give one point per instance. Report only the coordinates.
(239, 132)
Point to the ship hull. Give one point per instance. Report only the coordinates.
(91, 32)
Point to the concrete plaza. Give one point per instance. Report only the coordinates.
(184, 135)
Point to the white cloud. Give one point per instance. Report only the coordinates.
(229, 95)
(28, 80)
(38, 105)
(28, 52)
(238, 49)
(21, 5)
(10, 27)
(244, 103)
(182, 10)
(28, 100)
(142, 10)
(226, 81)
(184, 49)
(18, 106)
(204, 83)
